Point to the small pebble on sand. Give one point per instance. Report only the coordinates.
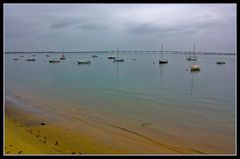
(20, 152)
(43, 123)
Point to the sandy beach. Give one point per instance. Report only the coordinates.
(31, 130)
(25, 134)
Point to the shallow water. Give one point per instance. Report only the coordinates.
(168, 97)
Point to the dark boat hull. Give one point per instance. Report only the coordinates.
(118, 60)
(31, 60)
(162, 61)
(191, 59)
(221, 62)
(51, 61)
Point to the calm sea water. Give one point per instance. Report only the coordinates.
(136, 89)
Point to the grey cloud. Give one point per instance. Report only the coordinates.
(18, 28)
(30, 26)
(146, 28)
(206, 16)
(142, 28)
(191, 27)
(60, 25)
(63, 24)
(92, 26)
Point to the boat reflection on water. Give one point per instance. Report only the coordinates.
(193, 73)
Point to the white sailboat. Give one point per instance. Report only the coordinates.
(62, 57)
(191, 58)
(118, 60)
(162, 61)
(220, 62)
(194, 67)
(15, 58)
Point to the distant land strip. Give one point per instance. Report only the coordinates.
(127, 51)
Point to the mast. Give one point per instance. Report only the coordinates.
(193, 52)
(161, 50)
(117, 51)
(194, 47)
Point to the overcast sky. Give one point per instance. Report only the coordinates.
(81, 27)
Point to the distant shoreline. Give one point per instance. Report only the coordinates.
(145, 52)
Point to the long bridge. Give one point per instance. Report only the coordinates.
(129, 51)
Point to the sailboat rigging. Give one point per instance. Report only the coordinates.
(15, 58)
(162, 61)
(194, 67)
(118, 60)
(192, 58)
(62, 57)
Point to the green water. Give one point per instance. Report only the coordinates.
(136, 89)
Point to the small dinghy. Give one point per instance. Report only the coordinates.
(83, 62)
(31, 59)
(162, 61)
(111, 57)
(221, 62)
(62, 58)
(54, 61)
(192, 59)
(118, 60)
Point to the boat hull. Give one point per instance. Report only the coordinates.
(191, 59)
(118, 60)
(54, 61)
(221, 62)
(83, 62)
(195, 68)
(163, 61)
(31, 60)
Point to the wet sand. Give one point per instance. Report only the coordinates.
(75, 133)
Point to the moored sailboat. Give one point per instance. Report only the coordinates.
(83, 62)
(62, 57)
(54, 61)
(194, 67)
(118, 60)
(162, 61)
